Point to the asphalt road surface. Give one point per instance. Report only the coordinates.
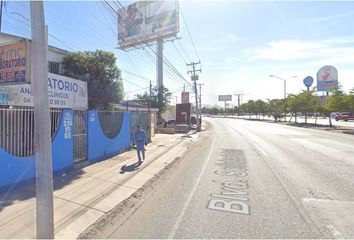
(248, 179)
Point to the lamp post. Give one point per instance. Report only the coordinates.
(273, 76)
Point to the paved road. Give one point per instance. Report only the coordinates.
(251, 180)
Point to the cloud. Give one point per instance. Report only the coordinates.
(311, 52)
(230, 38)
(210, 49)
(328, 18)
(285, 50)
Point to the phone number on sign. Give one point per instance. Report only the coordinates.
(57, 102)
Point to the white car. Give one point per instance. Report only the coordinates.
(333, 115)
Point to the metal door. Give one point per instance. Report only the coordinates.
(80, 136)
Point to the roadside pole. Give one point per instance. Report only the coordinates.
(150, 97)
(42, 138)
(194, 78)
(200, 99)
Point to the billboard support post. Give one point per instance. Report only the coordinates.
(159, 71)
(42, 138)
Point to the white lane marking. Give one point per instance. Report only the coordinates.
(260, 149)
(334, 232)
(191, 194)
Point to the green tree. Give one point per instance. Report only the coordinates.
(145, 99)
(303, 102)
(276, 108)
(104, 81)
(335, 103)
(260, 107)
(350, 100)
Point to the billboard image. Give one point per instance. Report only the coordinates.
(146, 21)
(14, 63)
(327, 79)
(224, 98)
(64, 92)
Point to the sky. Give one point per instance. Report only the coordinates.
(239, 44)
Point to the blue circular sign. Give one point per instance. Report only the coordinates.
(308, 81)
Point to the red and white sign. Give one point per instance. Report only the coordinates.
(185, 97)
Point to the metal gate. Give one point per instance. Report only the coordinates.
(80, 136)
(17, 129)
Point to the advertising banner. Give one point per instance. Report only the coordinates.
(14, 63)
(64, 92)
(147, 21)
(224, 98)
(327, 79)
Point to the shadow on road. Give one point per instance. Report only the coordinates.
(130, 168)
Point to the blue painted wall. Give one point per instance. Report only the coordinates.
(14, 169)
(101, 147)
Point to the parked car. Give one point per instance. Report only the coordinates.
(171, 122)
(193, 120)
(333, 115)
(345, 116)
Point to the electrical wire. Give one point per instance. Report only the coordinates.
(189, 34)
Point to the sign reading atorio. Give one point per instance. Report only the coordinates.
(64, 92)
(14, 63)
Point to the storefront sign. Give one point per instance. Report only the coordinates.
(14, 63)
(64, 92)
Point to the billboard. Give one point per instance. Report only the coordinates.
(64, 92)
(185, 97)
(146, 21)
(327, 79)
(225, 98)
(14, 63)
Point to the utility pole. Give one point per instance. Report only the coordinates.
(239, 95)
(1, 7)
(194, 78)
(200, 97)
(150, 97)
(42, 137)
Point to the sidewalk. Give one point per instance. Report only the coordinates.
(82, 196)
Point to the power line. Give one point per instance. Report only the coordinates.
(73, 49)
(179, 52)
(184, 51)
(190, 35)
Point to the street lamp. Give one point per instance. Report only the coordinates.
(273, 76)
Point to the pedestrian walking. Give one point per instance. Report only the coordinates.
(140, 141)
